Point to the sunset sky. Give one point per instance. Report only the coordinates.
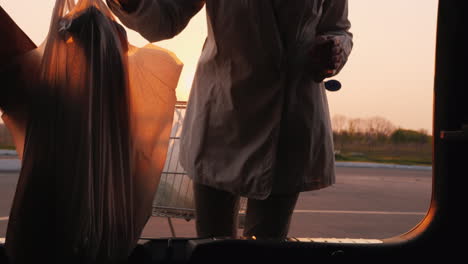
(389, 73)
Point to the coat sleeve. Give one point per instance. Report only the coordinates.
(334, 23)
(158, 19)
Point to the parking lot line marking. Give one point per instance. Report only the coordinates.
(358, 212)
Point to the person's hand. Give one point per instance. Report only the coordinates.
(326, 57)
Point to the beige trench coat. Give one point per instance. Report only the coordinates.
(256, 122)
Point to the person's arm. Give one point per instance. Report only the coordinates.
(15, 43)
(334, 36)
(156, 19)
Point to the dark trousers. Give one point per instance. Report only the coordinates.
(217, 211)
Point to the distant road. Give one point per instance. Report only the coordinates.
(12, 163)
(8, 163)
(370, 203)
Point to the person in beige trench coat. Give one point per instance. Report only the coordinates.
(257, 122)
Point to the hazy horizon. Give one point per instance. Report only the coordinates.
(389, 73)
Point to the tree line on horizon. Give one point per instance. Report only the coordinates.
(6, 140)
(375, 130)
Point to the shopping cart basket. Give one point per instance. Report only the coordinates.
(174, 197)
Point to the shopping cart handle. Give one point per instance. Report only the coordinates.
(332, 85)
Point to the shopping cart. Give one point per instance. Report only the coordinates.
(174, 197)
